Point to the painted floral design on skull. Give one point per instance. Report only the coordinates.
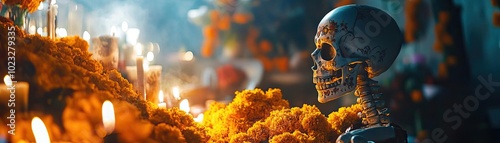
(347, 37)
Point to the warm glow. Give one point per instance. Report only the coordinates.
(32, 29)
(39, 130)
(39, 30)
(145, 65)
(86, 36)
(7, 80)
(61, 32)
(160, 96)
(199, 118)
(184, 106)
(150, 56)
(124, 26)
(138, 49)
(108, 116)
(188, 56)
(40, 7)
(176, 93)
(132, 35)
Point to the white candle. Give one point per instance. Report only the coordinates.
(108, 116)
(15, 93)
(161, 105)
(39, 130)
(140, 77)
(140, 71)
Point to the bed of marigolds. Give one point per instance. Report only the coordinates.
(68, 87)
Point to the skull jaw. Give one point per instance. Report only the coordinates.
(347, 84)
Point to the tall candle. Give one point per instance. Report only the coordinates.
(140, 72)
(140, 77)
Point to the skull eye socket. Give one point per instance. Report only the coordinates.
(327, 52)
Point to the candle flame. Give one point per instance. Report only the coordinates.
(199, 118)
(188, 56)
(7, 80)
(39, 130)
(176, 93)
(40, 7)
(150, 56)
(145, 65)
(138, 49)
(108, 116)
(184, 106)
(160, 96)
(86, 36)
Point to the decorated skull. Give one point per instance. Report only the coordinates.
(348, 37)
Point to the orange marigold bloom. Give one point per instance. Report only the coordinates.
(344, 2)
(224, 23)
(242, 18)
(214, 15)
(265, 46)
(266, 62)
(443, 70)
(282, 63)
(210, 32)
(416, 96)
(344, 118)
(30, 5)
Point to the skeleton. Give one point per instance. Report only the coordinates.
(354, 44)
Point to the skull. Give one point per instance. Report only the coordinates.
(348, 37)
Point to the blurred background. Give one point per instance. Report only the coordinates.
(208, 49)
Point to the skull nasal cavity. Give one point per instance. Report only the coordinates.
(327, 52)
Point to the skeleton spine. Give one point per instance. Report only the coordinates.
(374, 110)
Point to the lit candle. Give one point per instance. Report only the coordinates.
(108, 121)
(184, 106)
(108, 116)
(86, 36)
(15, 93)
(105, 49)
(140, 71)
(51, 19)
(199, 118)
(176, 93)
(161, 105)
(39, 130)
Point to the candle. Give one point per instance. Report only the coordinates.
(184, 106)
(140, 71)
(108, 116)
(108, 121)
(15, 93)
(105, 49)
(39, 130)
(176, 92)
(152, 79)
(51, 19)
(161, 105)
